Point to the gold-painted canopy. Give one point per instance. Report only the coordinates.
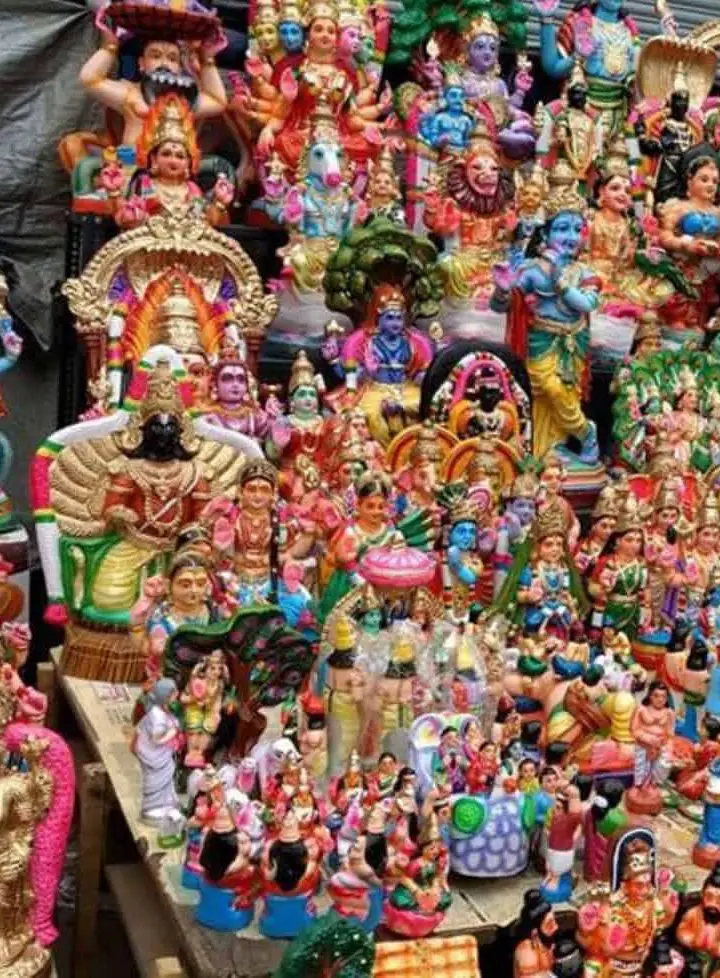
(660, 60)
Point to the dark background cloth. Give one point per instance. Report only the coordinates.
(44, 43)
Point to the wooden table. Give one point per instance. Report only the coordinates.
(157, 904)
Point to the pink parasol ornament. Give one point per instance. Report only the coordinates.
(397, 566)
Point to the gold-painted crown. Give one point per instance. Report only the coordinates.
(564, 194)
(482, 141)
(266, 12)
(525, 486)
(463, 511)
(290, 11)
(348, 14)
(648, 327)
(680, 80)
(617, 159)
(427, 447)
(709, 514)
(638, 864)
(629, 517)
(431, 831)
(321, 9)
(176, 322)
(483, 25)
(352, 451)
(257, 468)
(302, 373)
(668, 494)
(369, 599)
(577, 75)
(552, 521)
(484, 462)
(323, 124)
(344, 637)
(607, 504)
(162, 395)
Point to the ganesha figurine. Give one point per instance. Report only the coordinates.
(163, 67)
(384, 359)
(107, 525)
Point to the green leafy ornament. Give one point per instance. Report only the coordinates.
(379, 252)
(331, 947)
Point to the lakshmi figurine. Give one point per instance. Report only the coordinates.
(690, 232)
(554, 335)
(168, 158)
(603, 522)
(618, 583)
(545, 592)
(300, 432)
(469, 211)
(416, 905)
(613, 243)
(616, 931)
(299, 82)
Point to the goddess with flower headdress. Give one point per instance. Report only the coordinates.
(168, 158)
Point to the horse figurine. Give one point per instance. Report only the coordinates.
(317, 209)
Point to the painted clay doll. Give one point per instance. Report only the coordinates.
(290, 878)
(698, 929)
(416, 905)
(536, 934)
(202, 700)
(652, 726)
(156, 744)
